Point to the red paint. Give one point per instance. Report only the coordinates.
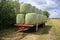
(26, 25)
(23, 27)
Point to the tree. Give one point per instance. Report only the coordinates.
(8, 11)
(46, 13)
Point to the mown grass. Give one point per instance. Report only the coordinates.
(56, 28)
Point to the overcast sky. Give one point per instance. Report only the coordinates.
(52, 6)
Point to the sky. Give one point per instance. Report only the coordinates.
(52, 6)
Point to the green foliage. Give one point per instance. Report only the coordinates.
(8, 11)
(45, 13)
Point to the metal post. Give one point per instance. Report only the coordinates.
(36, 27)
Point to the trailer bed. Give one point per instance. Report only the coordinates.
(24, 27)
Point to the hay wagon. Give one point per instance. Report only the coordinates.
(26, 23)
(33, 27)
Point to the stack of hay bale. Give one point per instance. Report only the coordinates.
(31, 15)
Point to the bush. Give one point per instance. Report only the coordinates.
(7, 13)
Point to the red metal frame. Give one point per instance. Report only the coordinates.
(23, 27)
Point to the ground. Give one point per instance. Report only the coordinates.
(50, 32)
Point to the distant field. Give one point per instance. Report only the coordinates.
(50, 32)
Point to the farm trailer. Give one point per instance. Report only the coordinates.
(33, 27)
(24, 27)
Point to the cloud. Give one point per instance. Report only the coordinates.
(46, 4)
(22, 0)
(55, 13)
(39, 2)
(28, 1)
(51, 3)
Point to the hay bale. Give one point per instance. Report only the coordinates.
(34, 18)
(20, 18)
(25, 8)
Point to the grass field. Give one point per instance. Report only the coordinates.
(50, 32)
